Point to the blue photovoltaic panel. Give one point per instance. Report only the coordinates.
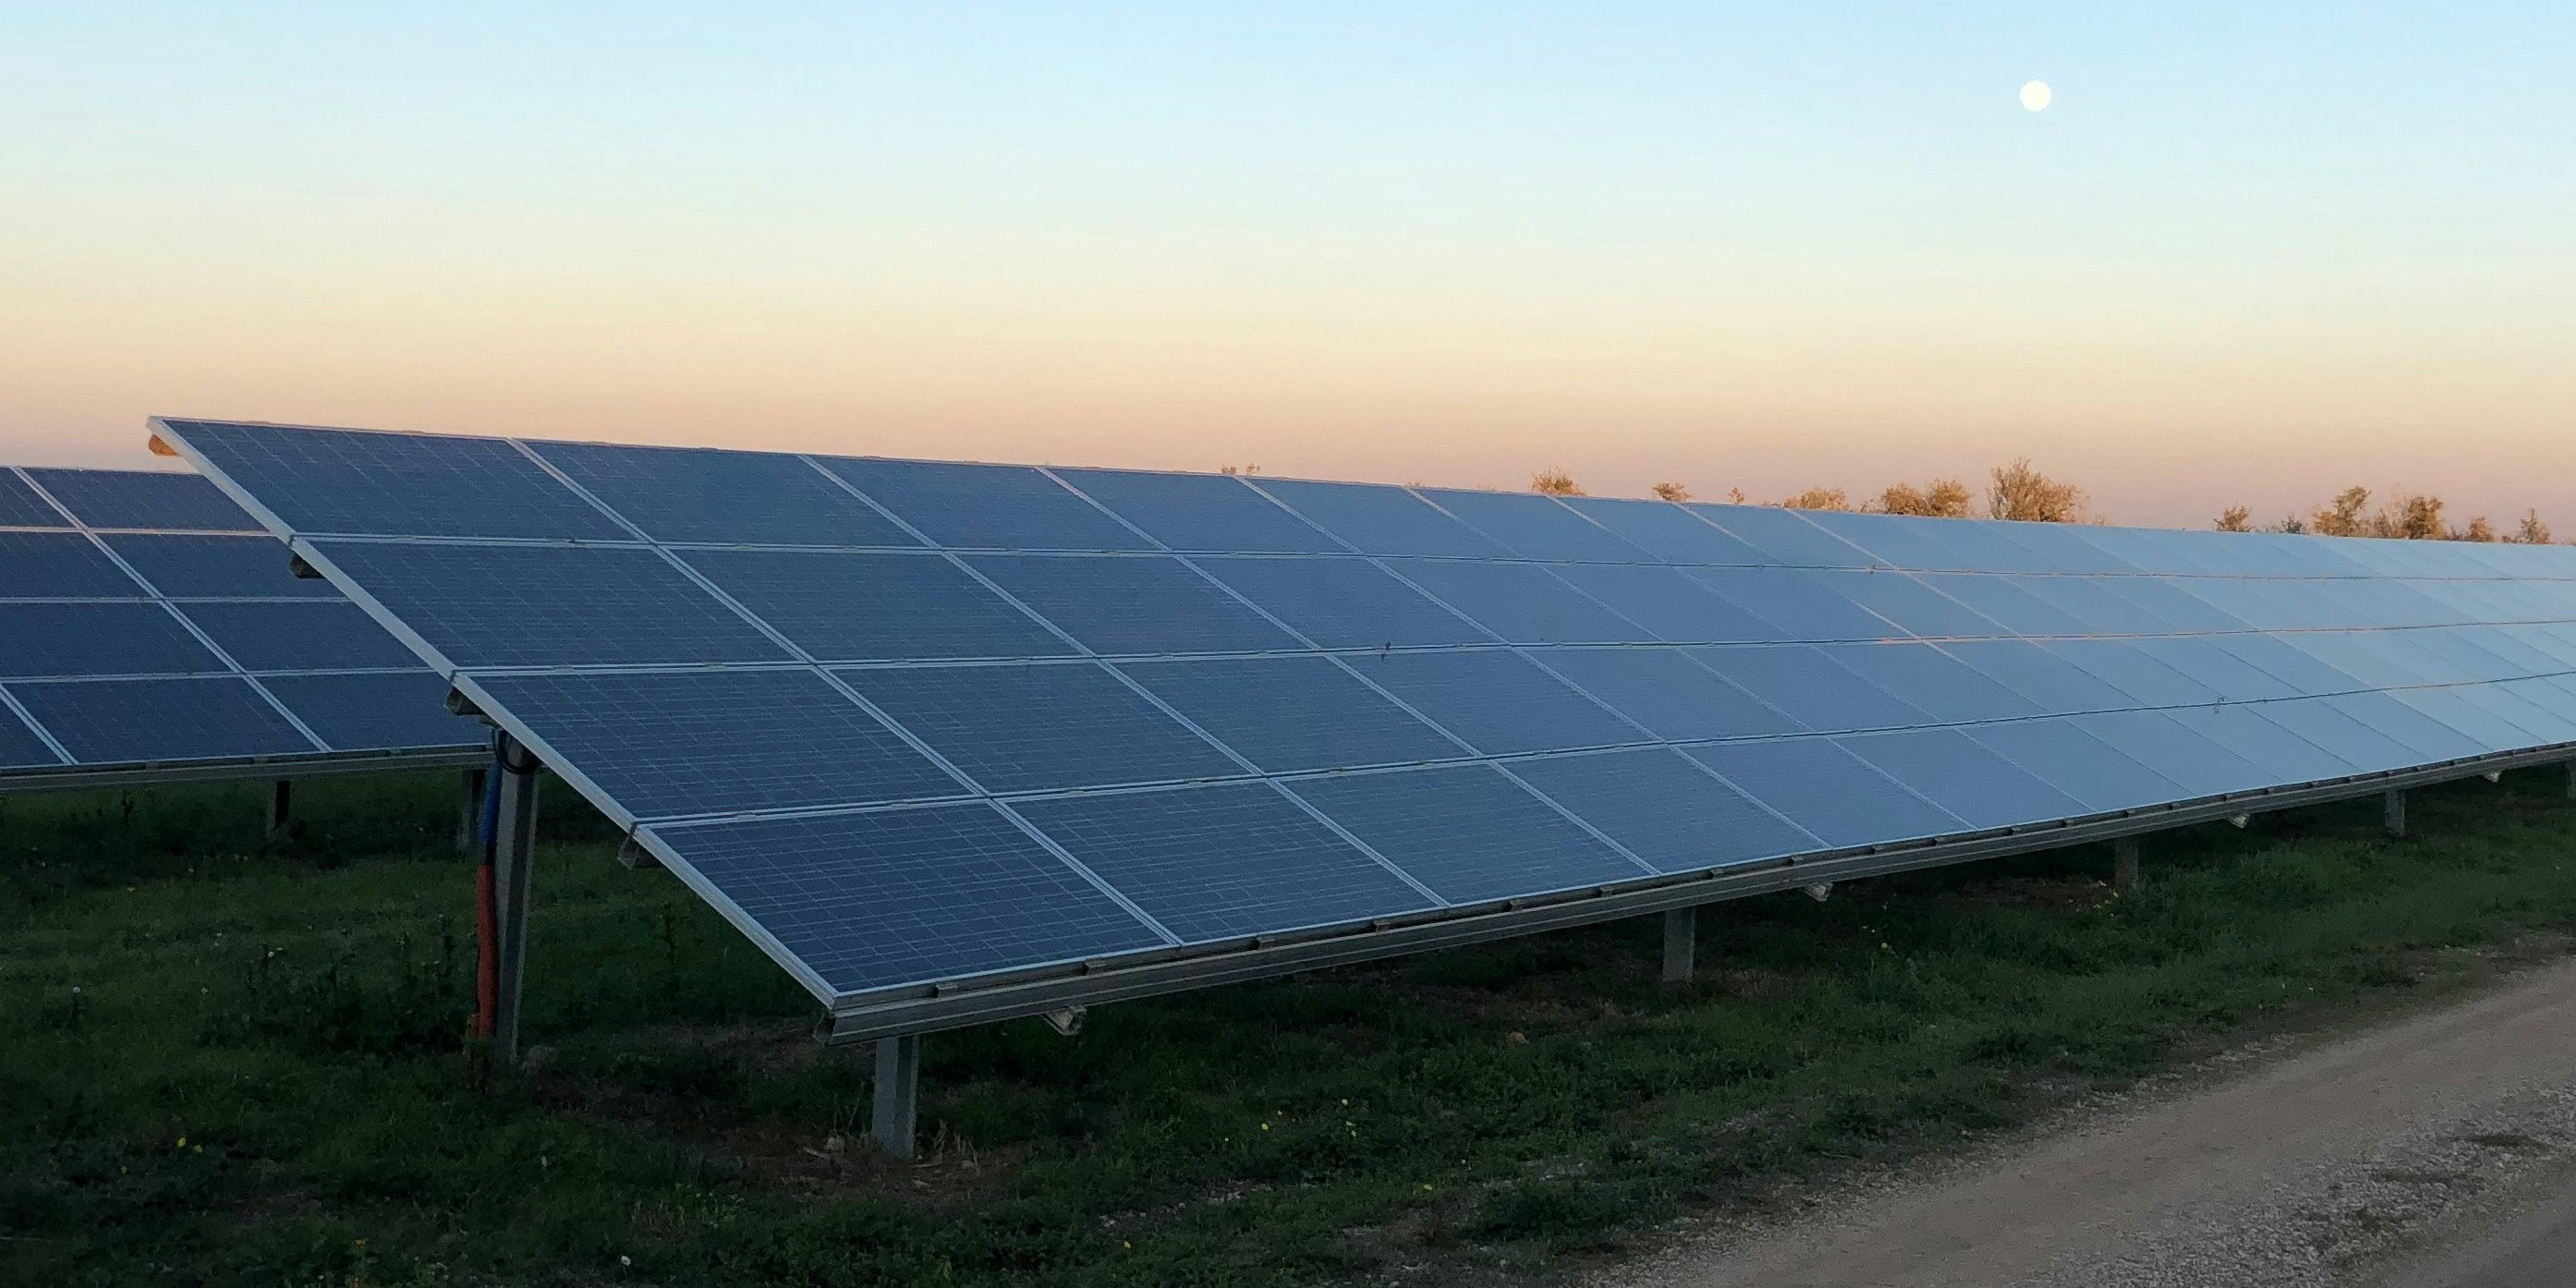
(1200, 512)
(2537, 727)
(38, 640)
(2316, 719)
(1381, 520)
(2019, 605)
(669, 744)
(2190, 761)
(1828, 791)
(2208, 661)
(1792, 599)
(1498, 702)
(2452, 707)
(189, 566)
(2247, 732)
(2301, 671)
(1955, 772)
(693, 494)
(1667, 603)
(20, 507)
(1286, 714)
(866, 901)
(415, 485)
(1782, 537)
(859, 606)
(1344, 603)
(1223, 862)
(2077, 763)
(1667, 531)
(2186, 612)
(481, 605)
(2123, 666)
(123, 721)
(1914, 607)
(1535, 527)
(2041, 675)
(1133, 603)
(62, 565)
(20, 748)
(986, 507)
(134, 499)
(1665, 809)
(374, 711)
(1468, 833)
(1811, 688)
(2431, 741)
(1940, 685)
(1894, 542)
(2103, 609)
(1665, 691)
(1655, 701)
(326, 635)
(1039, 728)
(1520, 603)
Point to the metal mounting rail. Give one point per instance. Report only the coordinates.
(70, 778)
(950, 1006)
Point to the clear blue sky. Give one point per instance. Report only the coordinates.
(1763, 246)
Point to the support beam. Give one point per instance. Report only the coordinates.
(2571, 780)
(509, 852)
(1681, 944)
(1820, 891)
(2392, 818)
(634, 857)
(278, 792)
(469, 810)
(898, 1094)
(2124, 864)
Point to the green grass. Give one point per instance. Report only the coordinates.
(223, 1063)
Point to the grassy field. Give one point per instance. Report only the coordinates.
(224, 1063)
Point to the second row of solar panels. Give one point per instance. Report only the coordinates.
(146, 620)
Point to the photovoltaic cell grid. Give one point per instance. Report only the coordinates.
(145, 619)
(922, 721)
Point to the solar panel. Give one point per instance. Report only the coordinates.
(149, 629)
(921, 723)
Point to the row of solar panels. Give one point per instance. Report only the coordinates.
(146, 620)
(949, 748)
(599, 493)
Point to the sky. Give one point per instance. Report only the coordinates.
(2250, 255)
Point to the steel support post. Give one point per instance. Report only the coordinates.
(469, 810)
(1681, 943)
(2392, 817)
(512, 847)
(2124, 864)
(2571, 780)
(278, 793)
(898, 1094)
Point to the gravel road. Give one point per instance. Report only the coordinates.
(2359, 1162)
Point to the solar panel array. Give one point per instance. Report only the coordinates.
(911, 722)
(146, 620)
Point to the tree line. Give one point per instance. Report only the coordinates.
(2019, 491)
(2016, 491)
(2408, 515)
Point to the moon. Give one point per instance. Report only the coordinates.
(2036, 95)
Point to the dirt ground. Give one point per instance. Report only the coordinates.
(2415, 1153)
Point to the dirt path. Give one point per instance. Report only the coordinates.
(2315, 1170)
